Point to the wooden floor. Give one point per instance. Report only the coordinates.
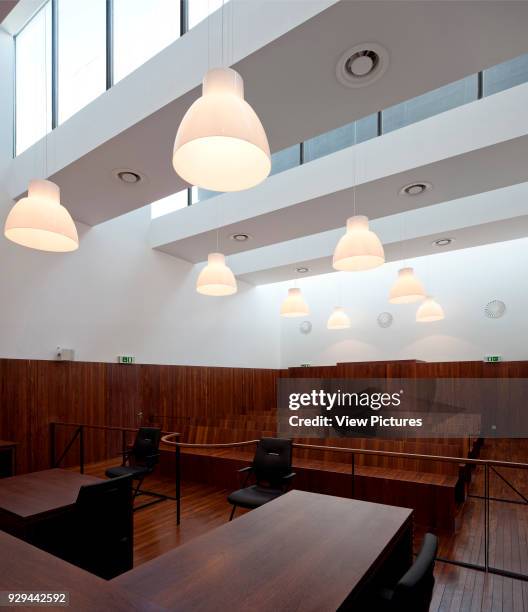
(457, 589)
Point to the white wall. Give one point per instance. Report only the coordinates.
(115, 295)
(463, 282)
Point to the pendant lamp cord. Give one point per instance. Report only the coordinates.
(223, 65)
(355, 165)
(45, 160)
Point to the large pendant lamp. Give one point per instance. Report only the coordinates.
(221, 144)
(216, 278)
(294, 304)
(360, 248)
(39, 221)
(338, 319)
(407, 288)
(430, 310)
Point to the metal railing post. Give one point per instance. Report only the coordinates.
(81, 449)
(123, 446)
(486, 517)
(52, 445)
(178, 484)
(353, 475)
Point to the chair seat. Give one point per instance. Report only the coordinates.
(126, 470)
(253, 497)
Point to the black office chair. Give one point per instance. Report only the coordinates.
(97, 534)
(414, 590)
(141, 459)
(271, 468)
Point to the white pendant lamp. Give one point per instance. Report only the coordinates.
(338, 319)
(216, 278)
(39, 221)
(221, 144)
(407, 288)
(360, 248)
(430, 310)
(294, 305)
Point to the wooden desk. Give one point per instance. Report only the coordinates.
(7, 458)
(26, 568)
(303, 551)
(30, 498)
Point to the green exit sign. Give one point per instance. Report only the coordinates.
(126, 359)
(492, 358)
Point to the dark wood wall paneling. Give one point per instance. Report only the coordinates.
(33, 393)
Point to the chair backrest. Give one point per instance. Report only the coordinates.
(414, 590)
(145, 451)
(104, 527)
(273, 460)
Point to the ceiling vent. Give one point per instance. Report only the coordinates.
(240, 237)
(495, 309)
(302, 270)
(443, 242)
(415, 189)
(362, 65)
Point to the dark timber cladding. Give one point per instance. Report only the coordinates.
(34, 393)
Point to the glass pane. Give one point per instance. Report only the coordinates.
(82, 53)
(429, 104)
(175, 201)
(200, 9)
(506, 75)
(33, 80)
(341, 137)
(199, 195)
(285, 159)
(141, 30)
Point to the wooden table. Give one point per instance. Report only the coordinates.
(303, 551)
(7, 458)
(31, 498)
(26, 568)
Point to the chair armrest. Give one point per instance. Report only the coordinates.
(289, 476)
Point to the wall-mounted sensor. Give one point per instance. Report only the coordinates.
(64, 354)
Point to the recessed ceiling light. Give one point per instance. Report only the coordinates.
(130, 177)
(441, 242)
(415, 189)
(302, 270)
(362, 65)
(240, 237)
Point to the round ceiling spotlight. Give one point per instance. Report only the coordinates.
(302, 270)
(240, 237)
(415, 189)
(129, 177)
(495, 309)
(442, 242)
(362, 65)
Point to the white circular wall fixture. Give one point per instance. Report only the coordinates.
(495, 309)
(415, 189)
(127, 176)
(385, 319)
(305, 327)
(362, 65)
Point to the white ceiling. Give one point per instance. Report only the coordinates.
(291, 83)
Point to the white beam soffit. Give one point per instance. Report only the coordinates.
(471, 149)
(287, 53)
(494, 216)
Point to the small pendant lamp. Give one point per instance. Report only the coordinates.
(221, 144)
(338, 319)
(216, 278)
(360, 248)
(407, 288)
(39, 221)
(430, 310)
(294, 304)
